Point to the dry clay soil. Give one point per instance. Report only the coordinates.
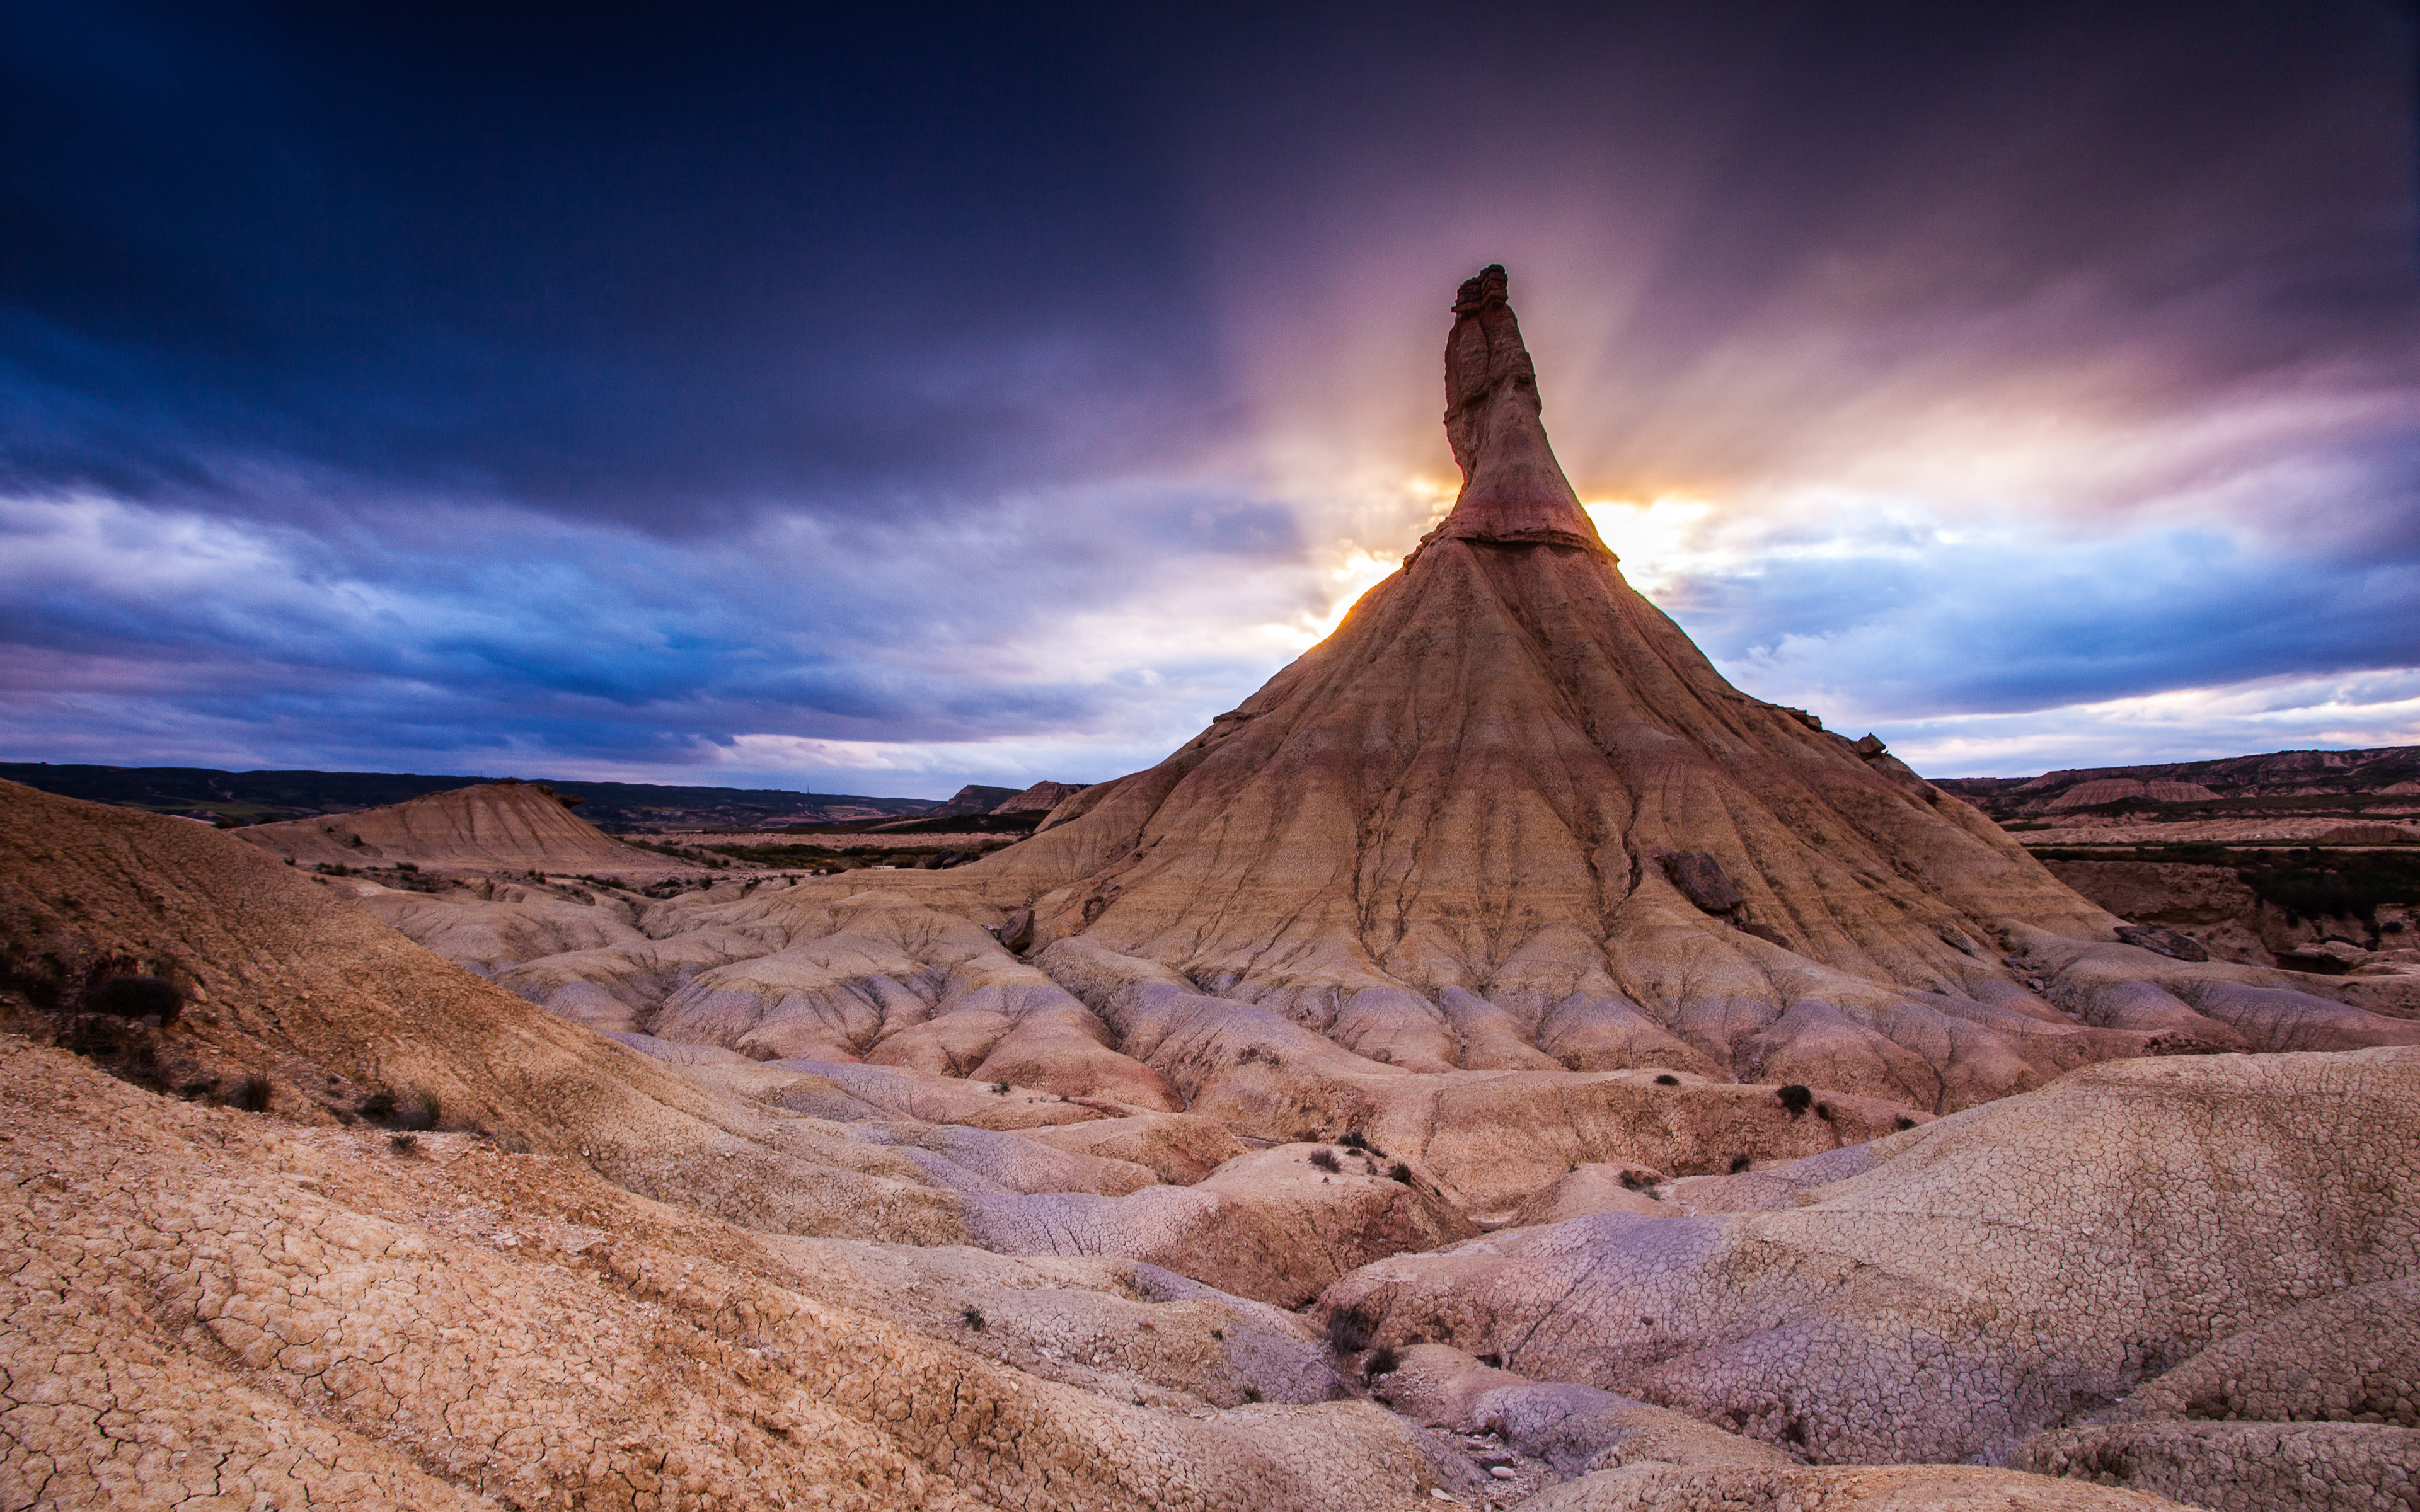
(691, 1279)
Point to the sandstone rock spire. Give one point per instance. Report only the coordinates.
(1479, 790)
(1513, 488)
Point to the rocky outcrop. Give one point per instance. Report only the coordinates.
(974, 798)
(1513, 491)
(1041, 796)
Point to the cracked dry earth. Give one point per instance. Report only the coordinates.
(211, 1308)
(205, 1306)
(2186, 1278)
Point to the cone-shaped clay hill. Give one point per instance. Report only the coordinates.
(1508, 816)
(498, 825)
(1508, 775)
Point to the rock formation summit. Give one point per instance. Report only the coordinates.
(1513, 488)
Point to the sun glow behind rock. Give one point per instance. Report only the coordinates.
(1361, 570)
(1659, 541)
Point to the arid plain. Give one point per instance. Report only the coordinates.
(1498, 1064)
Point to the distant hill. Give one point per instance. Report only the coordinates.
(258, 797)
(2331, 782)
(2300, 798)
(974, 798)
(495, 827)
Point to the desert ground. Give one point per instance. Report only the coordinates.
(1500, 1064)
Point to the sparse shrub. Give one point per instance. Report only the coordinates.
(1400, 1172)
(1903, 1123)
(1251, 1394)
(137, 998)
(1633, 1182)
(404, 1144)
(1740, 1162)
(1219, 1334)
(999, 1088)
(1797, 1098)
(1383, 1360)
(1348, 1331)
(125, 1047)
(1325, 1159)
(1570, 1166)
(252, 1094)
(1667, 1079)
(973, 1318)
(418, 1112)
(1353, 1140)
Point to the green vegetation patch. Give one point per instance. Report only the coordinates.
(796, 856)
(965, 824)
(2308, 882)
(2321, 883)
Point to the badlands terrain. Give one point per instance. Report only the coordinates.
(1500, 1064)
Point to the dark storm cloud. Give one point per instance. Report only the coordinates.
(623, 387)
(595, 262)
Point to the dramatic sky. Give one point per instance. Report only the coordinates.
(880, 398)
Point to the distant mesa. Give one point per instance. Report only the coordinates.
(2114, 789)
(2243, 781)
(509, 826)
(257, 798)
